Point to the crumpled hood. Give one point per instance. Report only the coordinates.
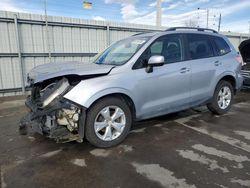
(52, 70)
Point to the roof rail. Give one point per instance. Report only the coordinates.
(191, 28)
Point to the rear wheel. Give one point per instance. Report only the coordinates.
(222, 99)
(108, 122)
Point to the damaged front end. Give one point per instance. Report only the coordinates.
(51, 114)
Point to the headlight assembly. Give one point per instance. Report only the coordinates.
(51, 93)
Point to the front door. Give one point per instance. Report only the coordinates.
(167, 88)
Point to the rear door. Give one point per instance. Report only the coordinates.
(204, 66)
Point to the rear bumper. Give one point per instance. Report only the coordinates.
(246, 77)
(239, 81)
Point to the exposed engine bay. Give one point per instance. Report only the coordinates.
(51, 114)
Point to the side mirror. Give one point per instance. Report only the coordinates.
(154, 61)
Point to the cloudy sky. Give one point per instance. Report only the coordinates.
(235, 14)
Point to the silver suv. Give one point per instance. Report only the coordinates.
(143, 76)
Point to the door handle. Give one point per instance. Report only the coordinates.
(184, 70)
(217, 63)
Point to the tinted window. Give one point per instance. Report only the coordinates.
(222, 47)
(156, 48)
(169, 46)
(172, 50)
(199, 46)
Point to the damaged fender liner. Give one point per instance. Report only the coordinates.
(35, 120)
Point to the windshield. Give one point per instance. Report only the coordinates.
(121, 51)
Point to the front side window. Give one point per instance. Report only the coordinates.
(121, 51)
(169, 46)
(156, 48)
(199, 46)
(222, 47)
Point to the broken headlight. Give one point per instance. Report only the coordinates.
(53, 90)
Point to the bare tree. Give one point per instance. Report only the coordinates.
(191, 23)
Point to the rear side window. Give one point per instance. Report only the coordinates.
(221, 46)
(199, 46)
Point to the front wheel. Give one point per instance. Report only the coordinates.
(108, 122)
(222, 99)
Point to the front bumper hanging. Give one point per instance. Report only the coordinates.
(37, 118)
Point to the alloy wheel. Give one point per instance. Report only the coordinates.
(109, 123)
(224, 97)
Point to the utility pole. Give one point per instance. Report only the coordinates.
(219, 23)
(249, 31)
(47, 29)
(158, 13)
(207, 14)
(207, 17)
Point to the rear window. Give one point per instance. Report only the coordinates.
(222, 47)
(199, 46)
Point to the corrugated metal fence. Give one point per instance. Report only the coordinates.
(26, 41)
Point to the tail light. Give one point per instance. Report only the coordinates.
(239, 59)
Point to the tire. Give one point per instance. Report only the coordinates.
(98, 116)
(217, 106)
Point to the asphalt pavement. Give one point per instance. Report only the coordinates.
(192, 148)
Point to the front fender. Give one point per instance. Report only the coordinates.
(86, 96)
(102, 93)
